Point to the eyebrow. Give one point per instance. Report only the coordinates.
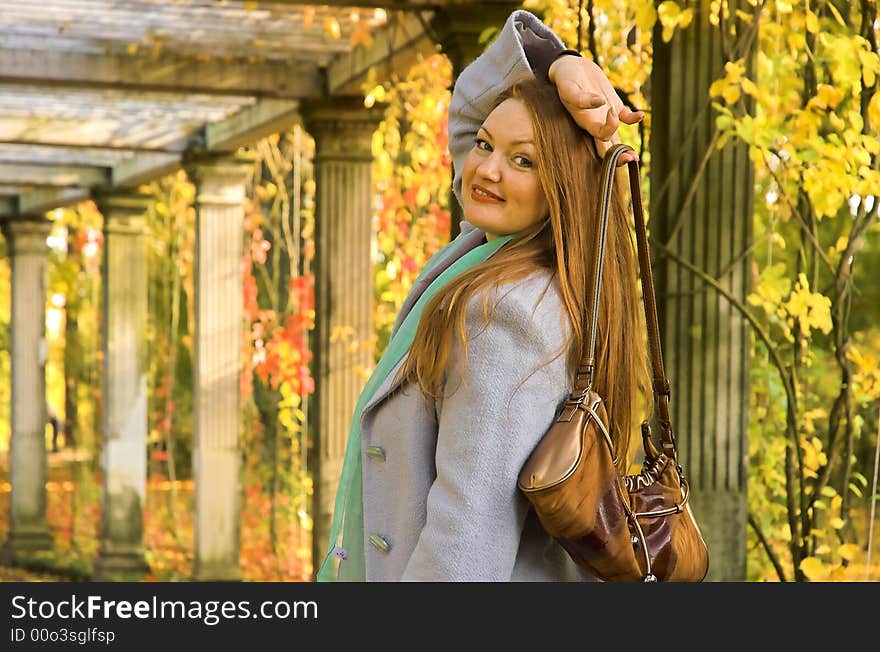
(516, 142)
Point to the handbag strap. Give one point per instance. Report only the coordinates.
(649, 300)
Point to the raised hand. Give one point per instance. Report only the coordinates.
(592, 101)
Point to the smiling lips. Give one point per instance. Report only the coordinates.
(480, 194)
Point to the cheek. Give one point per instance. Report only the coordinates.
(536, 195)
(467, 170)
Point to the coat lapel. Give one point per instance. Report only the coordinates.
(469, 239)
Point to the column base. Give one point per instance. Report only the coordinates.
(216, 572)
(120, 565)
(21, 545)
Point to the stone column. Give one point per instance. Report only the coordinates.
(124, 405)
(343, 131)
(706, 342)
(458, 28)
(218, 330)
(28, 527)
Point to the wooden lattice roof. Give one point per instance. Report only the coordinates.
(99, 94)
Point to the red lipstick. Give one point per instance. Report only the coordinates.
(488, 198)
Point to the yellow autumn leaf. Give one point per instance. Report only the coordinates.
(735, 70)
(874, 113)
(717, 87)
(731, 94)
(686, 17)
(777, 240)
(848, 551)
(749, 87)
(837, 575)
(132, 48)
(812, 22)
(836, 522)
(646, 16)
(870, 66)
(810, 458)
(829, 96)
(813, 568)
(286, 422)
(669, 14)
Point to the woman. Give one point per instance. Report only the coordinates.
(486, 346)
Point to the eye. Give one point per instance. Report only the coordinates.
(479, 143)
(522, 161)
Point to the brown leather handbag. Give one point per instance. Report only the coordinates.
(619, 528)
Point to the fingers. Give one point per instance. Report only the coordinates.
(576, 98)
(585, 108)
(608, 129)
(604, 146)
(629, 117)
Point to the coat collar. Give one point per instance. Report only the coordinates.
(469, 238)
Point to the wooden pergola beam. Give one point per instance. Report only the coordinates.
(267, 117)
(166, 74)
(41, 200)
(89, 149)
(395, 46)
(30, 174)
(143, 169)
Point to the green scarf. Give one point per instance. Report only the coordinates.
(345, 560)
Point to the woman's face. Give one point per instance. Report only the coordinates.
(501, 192)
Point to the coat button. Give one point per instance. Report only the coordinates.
(379, 543)
(376, 452)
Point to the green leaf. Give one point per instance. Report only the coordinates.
(724, 122)
(487, 35)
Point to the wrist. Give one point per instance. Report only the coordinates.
(554, 65)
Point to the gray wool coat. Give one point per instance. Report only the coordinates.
(439, 477)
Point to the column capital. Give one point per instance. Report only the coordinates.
(123, 211)
(458, 27)
(342, 126)
(219, 180)
(26, 234)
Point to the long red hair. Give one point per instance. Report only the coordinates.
(569, 169)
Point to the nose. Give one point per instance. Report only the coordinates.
(490, 167)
